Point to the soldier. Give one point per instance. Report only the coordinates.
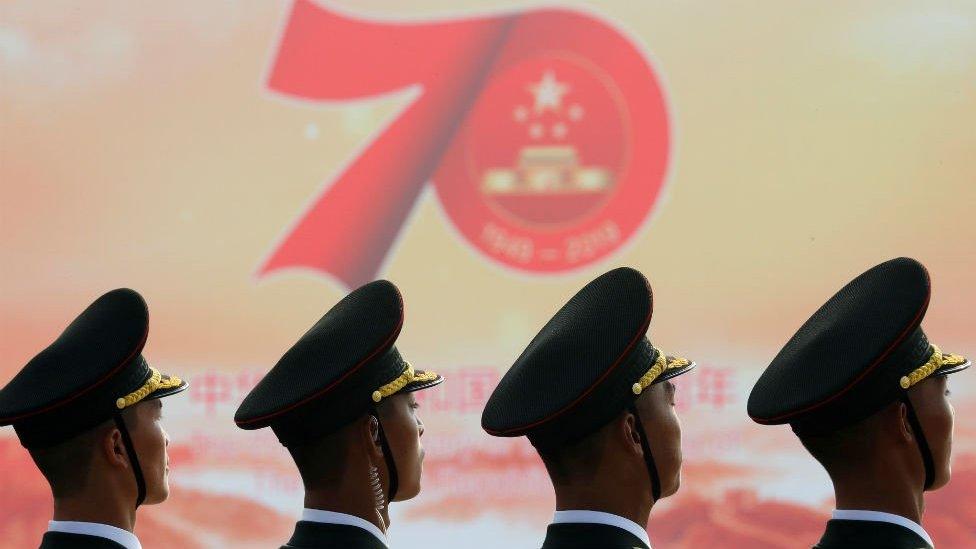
(341, 401)
(87, 409)
(867, 395)
(593, 397)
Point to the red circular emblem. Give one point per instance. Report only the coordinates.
(558, 163)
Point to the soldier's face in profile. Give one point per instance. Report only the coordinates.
(150, 442)
(930, 399)
(403, 429)
(658, 416)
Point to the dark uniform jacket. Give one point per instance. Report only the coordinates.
(62, 540)
(320, 535)
(568, 535)
(866, 534)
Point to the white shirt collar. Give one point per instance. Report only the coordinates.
(124, 538)
(332, 517)
(878, 516)
(598, 517)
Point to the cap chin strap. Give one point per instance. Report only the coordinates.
(387, 457)
(648, 457)
(133, 459)
(923, 444)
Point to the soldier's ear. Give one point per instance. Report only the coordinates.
(112, 448)
(371, 436)
(631, 435)
(904, 425)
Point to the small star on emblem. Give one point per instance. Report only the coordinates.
(576, 112)
(548, 93)
(520, 113)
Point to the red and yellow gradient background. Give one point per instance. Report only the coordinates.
(140, 147)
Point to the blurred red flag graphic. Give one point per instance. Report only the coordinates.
(545, 132)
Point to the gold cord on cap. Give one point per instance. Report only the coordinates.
(936, 361)
(662, 364)
(408, 376)
(154, 383)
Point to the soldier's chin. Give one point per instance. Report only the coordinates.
(673, 487)
(158, 495)
(406, 492)
(941, 479)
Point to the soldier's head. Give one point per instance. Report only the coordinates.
(97, 459)
(594, 396)
(341, 399)
(613, 454)
(888, 438)
(862, 386)
(325, 462)
(88, 408)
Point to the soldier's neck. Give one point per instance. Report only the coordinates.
(880, 491)
(630, 504)
(97, 506)
(351, 500)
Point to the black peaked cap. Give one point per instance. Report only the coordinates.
(92, 370)
(859, 352)
(338, 370)
(580, 370)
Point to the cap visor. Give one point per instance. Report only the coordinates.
(946, 370)
(675, 372)
(425, 384)
(163, 392)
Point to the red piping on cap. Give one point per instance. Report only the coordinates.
(385, 345)
(85, 390)
(911, 326)
(573, 404)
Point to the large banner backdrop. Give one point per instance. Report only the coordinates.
(244, 165)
